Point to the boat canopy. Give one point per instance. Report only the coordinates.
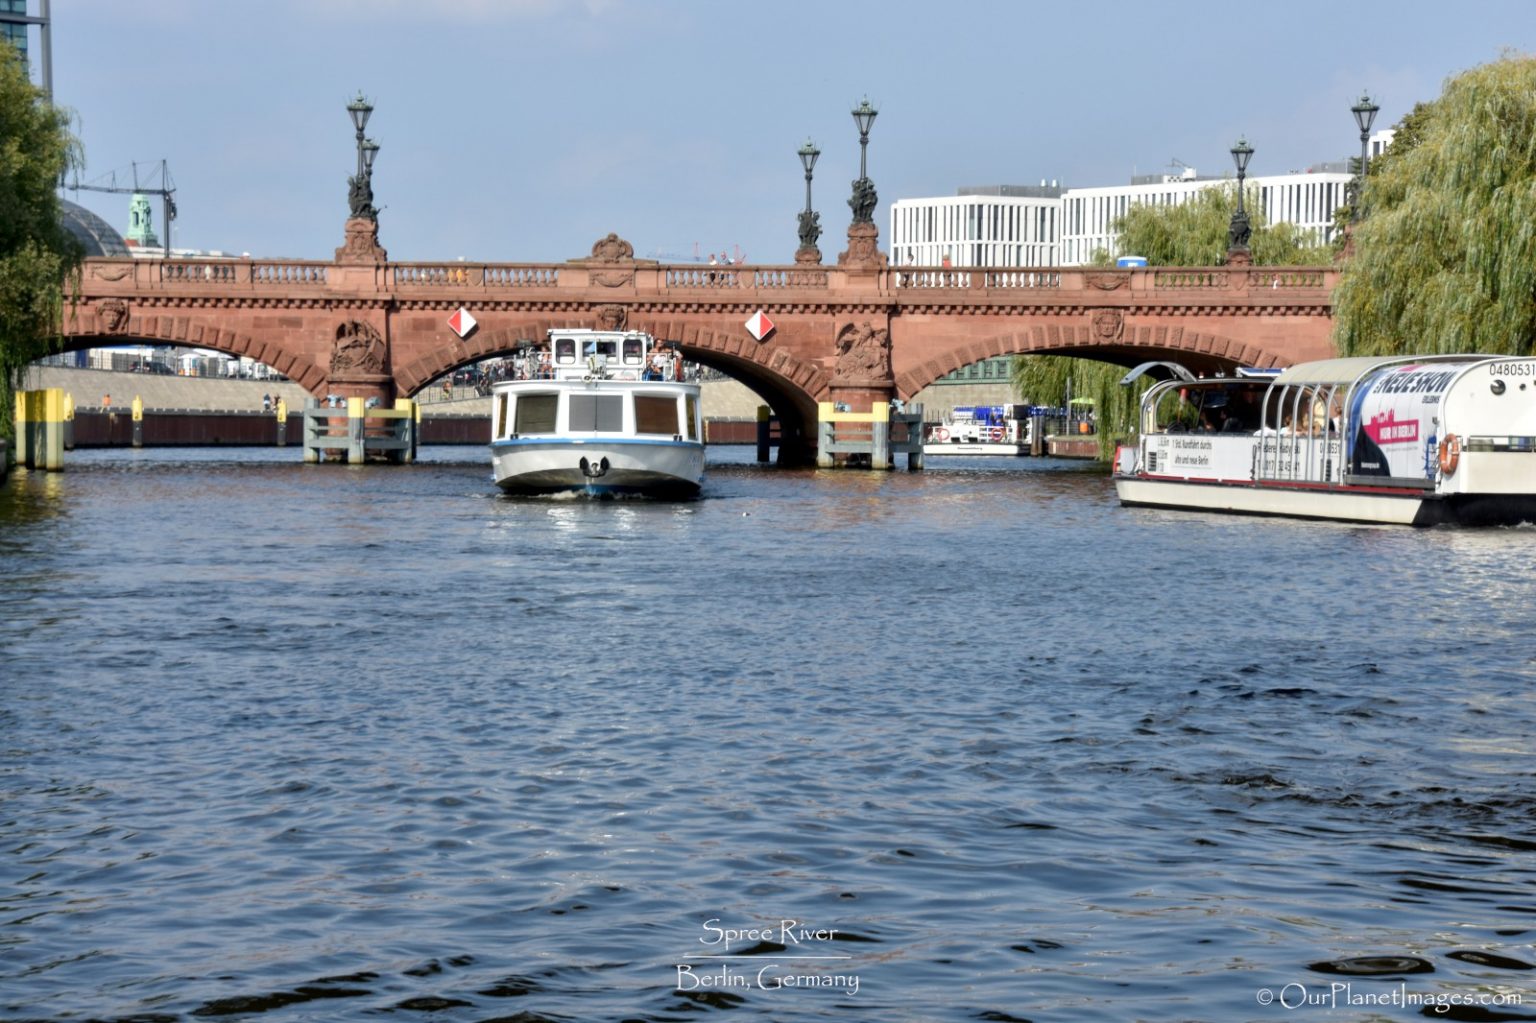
(1347, 370)
(1158, 371)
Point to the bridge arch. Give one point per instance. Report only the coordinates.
(96, 331)
(788, 385)
(1199, 351)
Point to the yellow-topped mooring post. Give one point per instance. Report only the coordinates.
(40, 429)
(357, 424)
(410, 428)
(138, 421)
(880, 436)
(281, 412)
(69, 421)
(873, 437)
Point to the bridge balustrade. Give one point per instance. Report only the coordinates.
(288, 273)
(522, 276)
(1022, 278)
(197, 272)
(1190, 279)
(934, 278)
(784, 277)
(1280, 277)
(702, 277)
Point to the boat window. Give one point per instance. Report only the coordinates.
(633, 351)
(535, 413)
(602, 413)
(565, 350)
(501, 416)
(691, 405)
(656, 413)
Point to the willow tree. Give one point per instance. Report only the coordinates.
(1194, 233)
(1053, 379)
(1445, 259)
(38, 256)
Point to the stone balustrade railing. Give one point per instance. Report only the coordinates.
(295, 276)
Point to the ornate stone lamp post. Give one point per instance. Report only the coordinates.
(1239, 230)
(862, 233)
(810, 221)
(1365, 115)
(362, 231)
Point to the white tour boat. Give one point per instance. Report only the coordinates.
(980, 430)
(605, 415)
(1415, 441)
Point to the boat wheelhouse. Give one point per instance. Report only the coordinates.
(1416, 440)
(606, 413)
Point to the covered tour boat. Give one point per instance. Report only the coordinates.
(607, 413)
(1416, 441)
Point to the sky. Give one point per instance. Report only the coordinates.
(526, 130)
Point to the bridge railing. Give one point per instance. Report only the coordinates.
(648, 278)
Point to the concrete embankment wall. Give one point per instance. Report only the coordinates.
(177, 408)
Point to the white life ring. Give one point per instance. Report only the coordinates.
(941, 435)
(995, 433)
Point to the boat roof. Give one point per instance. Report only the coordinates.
(1346, 370)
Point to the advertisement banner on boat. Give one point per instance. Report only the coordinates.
(1396, 416)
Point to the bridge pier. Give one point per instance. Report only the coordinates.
(868, 439)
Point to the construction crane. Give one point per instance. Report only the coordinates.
(166, 192)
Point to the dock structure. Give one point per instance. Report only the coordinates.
(869, 439)
(358, 433)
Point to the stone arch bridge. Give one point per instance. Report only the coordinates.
(858, 333)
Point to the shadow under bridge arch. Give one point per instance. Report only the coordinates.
(789, 387)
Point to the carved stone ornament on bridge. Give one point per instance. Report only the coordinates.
(863, 248)
(1106, 280)
(1108, 325)
(113, 314)
(358, 349)
(863, 357)
(362, 244)
(611, 317)
(612, 249)
(109, 273)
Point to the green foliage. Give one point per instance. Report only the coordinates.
(37, 255)
(1043, 380)
(1194, 233)
(1445, 260)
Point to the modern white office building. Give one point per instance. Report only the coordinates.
(1046, 225)
(1000, 225)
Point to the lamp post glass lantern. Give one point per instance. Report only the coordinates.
(808, 157)
(360, 185)
(864, 116)
(1365, 116)
(810, 222)
(864, 198)
(1239, 230)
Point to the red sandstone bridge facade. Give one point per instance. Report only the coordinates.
(857, 332)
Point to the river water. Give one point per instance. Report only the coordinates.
(317, 743)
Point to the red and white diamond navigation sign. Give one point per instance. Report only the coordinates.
(759, 326)
(461, 323)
